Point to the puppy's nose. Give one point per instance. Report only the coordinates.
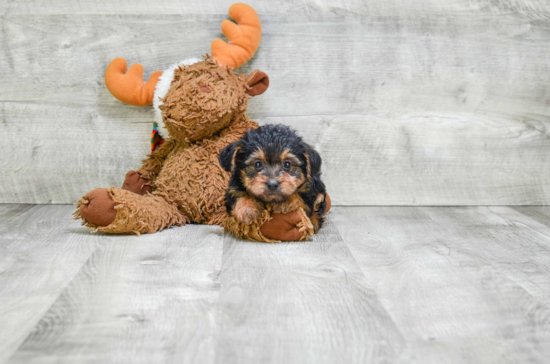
(272, 184)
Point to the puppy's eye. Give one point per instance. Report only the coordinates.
(258, 165)
(287, 165)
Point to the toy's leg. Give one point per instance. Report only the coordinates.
(114, 210)
(250, 232)
(290, 226)
(273, 227)
(135, 183)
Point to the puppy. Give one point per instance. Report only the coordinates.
(272, 167)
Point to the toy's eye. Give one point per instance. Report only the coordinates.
(287, 165)
(258, 165)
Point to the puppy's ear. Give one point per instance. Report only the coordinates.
(227, 156)
(313, 160)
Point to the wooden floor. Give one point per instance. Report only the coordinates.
(378, 284)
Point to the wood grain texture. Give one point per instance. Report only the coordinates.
(534, 9)
(462, 284)
(41, 250)
(147, 299)
(428, 103)
(300, 303)
(537, 213)
(377, 285)
(416, 159)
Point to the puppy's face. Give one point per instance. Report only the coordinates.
(271, 163)
(272, 176)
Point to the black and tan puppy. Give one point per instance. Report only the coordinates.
(271, 165)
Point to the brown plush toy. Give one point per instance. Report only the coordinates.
(201, 106)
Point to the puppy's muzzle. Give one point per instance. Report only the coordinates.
(272, 185)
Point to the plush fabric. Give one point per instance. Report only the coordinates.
(98, 206)
(134, 213)
(289, 226)
(204, 111)
(156, 139)
(136, 184)
(163, 85)
(129, 87)
(244, 38)
(200, 108)
(302, 226)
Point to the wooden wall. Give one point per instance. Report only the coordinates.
(427, 102)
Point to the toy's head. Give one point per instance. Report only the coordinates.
(196, 98)
(271, 163)
(204, 97)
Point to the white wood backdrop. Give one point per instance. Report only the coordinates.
(427, 102)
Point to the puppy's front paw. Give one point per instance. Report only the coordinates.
(247, 210)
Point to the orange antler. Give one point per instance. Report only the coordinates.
(244, 38)
(129, 87)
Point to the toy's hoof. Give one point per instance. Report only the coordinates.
(328, 203)
(283, 227)
(99, 209)
(136, 184)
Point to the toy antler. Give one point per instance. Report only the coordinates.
(129, 87)
(244, 38)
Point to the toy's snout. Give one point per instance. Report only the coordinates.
(205, 88)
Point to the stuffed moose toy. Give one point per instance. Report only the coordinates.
(200, 105)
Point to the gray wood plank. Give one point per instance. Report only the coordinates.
(57, 165)
(300, 303)
(535, 9)
(395, 65)
(537, 213)
(41, 250)
(464, 285)
(517, 244)
(405, 111)
(451, 159)
(378, 284)
(147, 299)
(368, 160)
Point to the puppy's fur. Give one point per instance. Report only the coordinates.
(271, 165)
